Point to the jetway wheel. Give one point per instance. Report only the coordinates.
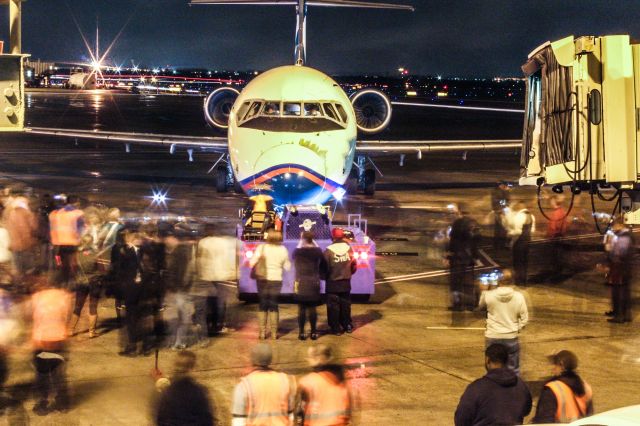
(221, 179)
(369, 182)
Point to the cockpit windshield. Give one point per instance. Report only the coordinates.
(292, 116)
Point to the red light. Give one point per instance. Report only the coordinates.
(445, 87)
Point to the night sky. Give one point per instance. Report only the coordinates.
(481, 38)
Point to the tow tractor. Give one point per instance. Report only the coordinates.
(293, 221)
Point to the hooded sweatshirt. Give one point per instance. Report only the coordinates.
(498, 398)
(506, 312)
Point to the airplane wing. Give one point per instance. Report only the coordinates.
(372, 147)
(203, 143)
(219, 144)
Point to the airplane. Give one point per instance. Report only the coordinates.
(292, 132)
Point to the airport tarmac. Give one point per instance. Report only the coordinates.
(409, 358)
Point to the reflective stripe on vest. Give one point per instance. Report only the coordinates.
(268, 395)
(64, 227)
(329, 402)
(570, 406)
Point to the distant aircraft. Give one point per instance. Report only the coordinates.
(292, 131)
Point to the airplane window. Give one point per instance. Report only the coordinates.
(342, 112)
(291, 109)
(243, 108)
(253, 110)
(272, 109)
(312, 110)
(330, 111)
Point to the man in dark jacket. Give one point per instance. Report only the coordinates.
(462, 253)
(620, 270)
(178, 278)
(498, 398)
(341, 265)
(184, 401)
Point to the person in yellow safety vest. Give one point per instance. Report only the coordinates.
(66, 225)
(324, 397)
(264, 397)
(566, 397)
(50, 309)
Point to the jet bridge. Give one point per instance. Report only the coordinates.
(582, 118)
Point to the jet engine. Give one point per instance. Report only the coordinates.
(373, 110)
(217, 106)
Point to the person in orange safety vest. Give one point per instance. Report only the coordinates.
(50, 309)
(324, 397)
(264, 397)
(66, 225)
(566, 397)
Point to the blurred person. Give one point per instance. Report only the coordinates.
(341, 265)
(276, 260)
(50, 307)
(112, 284)
(521, 225)
(178, 279)
(43, 233)
(556, 230)
(109, 230)
(310, 266)
(184, 401)
(620, 256)
(66, 226)
(88, 284)
(264, 396)
(129, 278)
(153, 291)
(22, 226)
(6, 258)
(566, 397)
(500, 198)
(498, 398)
(93, 223)
(324, 397)
(462, 254)
(507, 314)
(216, 264)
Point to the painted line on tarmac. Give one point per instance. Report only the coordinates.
(436, 273)
(455, 328)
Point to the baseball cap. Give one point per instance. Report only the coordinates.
(337, 233)
(565, 359)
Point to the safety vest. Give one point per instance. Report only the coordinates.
(570, 406)
(50, 310)
(64, 227)
(268, 395)
(328, 403)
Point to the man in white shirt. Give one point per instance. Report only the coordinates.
(216, 267)
(507, 314)
(521, 225)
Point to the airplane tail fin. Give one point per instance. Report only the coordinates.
(325, 3)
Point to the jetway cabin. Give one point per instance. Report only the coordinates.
(582, 115)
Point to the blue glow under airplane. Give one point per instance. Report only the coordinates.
(292, 132)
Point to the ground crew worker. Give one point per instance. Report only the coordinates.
(264, 396)
(341, 265)
(324, 398)
(50, 308)
(566, 397)
(66, 225)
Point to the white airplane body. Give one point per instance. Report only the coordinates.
(292, 131)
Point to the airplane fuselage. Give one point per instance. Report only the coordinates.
(292, 135)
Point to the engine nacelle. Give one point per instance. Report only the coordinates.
(217, 106)
(373, 110)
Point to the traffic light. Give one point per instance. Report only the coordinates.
(11, 93)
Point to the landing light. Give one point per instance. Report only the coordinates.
(287, 175)
(338, 194)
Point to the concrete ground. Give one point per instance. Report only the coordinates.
(409, 359)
